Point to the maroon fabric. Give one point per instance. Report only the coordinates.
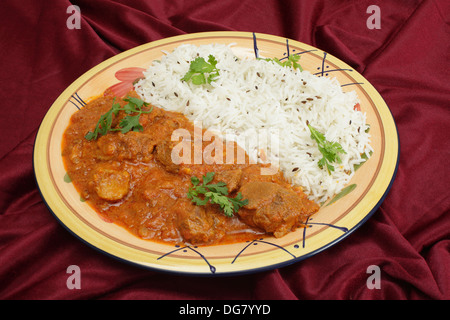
(407, 60)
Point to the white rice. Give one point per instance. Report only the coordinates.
(251, 97)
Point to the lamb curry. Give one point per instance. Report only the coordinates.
(130, 178)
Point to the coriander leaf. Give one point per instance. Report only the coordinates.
(90, 135)
(135, 101)
(198, 79)
(199, 65)
(225, 204)
(216, 193)
(115, 108)
(220, 188)
(208, 178)
(195, 181)
(238, 202)
(198, 201)
(201, 72)
(188, 76)
(316, 135)
(212, 60)
(129, 123)
(291, 61)
(129, 108)
(329, 150)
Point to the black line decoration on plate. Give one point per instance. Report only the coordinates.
(185, 249)
(77, 101)
(349, 84)
(288, 51)
(309, 224)
(287, 48)
(255, 46)
(324, 68)
(255, 242)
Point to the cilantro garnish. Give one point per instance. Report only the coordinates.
(133, 109)
(329, 150)
(291, 61)
(216, 193)
(201, 72)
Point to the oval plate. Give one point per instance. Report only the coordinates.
(331, 224)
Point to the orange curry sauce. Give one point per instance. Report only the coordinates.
(131, 180)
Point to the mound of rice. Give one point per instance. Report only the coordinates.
(251, 97)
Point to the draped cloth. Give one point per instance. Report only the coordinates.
(406, 59)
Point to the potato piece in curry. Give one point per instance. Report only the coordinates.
(129, 178)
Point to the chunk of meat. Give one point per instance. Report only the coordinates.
(76, 153)
(132, 146)
(231, 177)
(111, 184)
(194, 223)
(164, 155)
(273, 208)
(259, 193)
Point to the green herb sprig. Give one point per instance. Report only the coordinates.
(216, 193)
(133, 109)
(291, 61)
(201, 72)
(329, 150)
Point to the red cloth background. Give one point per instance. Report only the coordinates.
(407, 60)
